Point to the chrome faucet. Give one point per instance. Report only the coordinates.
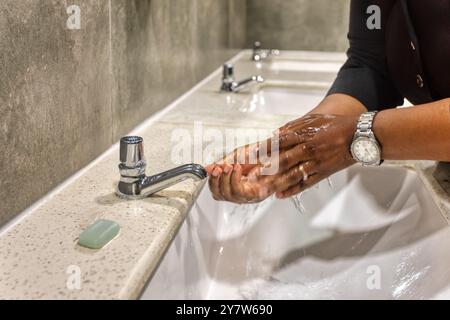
(134, 184)
(261, 54)
(229, 84)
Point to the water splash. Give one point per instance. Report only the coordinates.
(330, 183)
(249, 264)
(297, 201)
(242, 217)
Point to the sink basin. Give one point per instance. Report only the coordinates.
(374, 233)
(284, 100)
(311, 77)
(306, 66)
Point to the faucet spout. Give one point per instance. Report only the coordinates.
(243, 83)
(229, 84)
(134, 184)
(152, 184)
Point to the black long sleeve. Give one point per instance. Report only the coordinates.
(365, 75)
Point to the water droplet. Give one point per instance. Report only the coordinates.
(330, 183)
(297, 200)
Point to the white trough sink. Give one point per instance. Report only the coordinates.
(286, 100)
(375, 234)
(305, 66)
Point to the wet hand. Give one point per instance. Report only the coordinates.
(316, 146)
(237, 177)
(310, 149)
(231, 183)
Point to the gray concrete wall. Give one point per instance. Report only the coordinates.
(67, 95)
(298, 24)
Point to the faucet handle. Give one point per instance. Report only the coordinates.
(259, 53)
(131, 150)
(228, 71)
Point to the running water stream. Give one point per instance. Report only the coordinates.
(297, 199)
(239, 221)
(240, 218)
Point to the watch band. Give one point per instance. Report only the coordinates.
(365, 123)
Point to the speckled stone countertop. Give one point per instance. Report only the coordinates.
(39, 250)
(436, 177)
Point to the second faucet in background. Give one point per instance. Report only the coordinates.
(229, 84)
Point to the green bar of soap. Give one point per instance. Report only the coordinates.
(97, 235)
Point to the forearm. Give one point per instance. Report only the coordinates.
(339, 104)
(415, 133)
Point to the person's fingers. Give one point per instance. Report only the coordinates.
(214, 182)
(289, 139)
(254, 174)
(262, 192)
(300, 187)
(225, 182)
(310, 119)
(229, 158)
(289, 125)
(247, 168)
(264, 148)
(209, 168)
(239, 155)
(249, 155)
(293, 176)
(289, 158)
(237, 184)
(247, 190)
(305, 121)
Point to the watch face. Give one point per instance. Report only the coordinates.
(365, 150)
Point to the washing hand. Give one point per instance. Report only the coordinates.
(310, 149)
(237, 177)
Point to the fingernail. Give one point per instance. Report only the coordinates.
(216, 172)
(227, 169)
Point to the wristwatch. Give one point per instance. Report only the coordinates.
(365, 147)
